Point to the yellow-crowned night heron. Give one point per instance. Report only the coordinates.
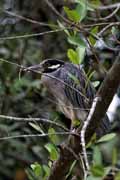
(71, 88)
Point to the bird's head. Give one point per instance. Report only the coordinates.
(47, 66)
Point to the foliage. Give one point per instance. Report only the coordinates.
(22, 94)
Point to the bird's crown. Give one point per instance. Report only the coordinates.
(50, 65)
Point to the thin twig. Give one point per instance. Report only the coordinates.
(48, 75)
(107, 27)
(111, 6)
(12, 63)
(106, 92)
(78, 26)
(23, 67)
(20, 119)
(53, 77)
(69, 107)
(31, 35)
(28, 19)
(82, 137)
(56, 12)
(109, 16)
(96, 24)
(100, 104)
(36, 135)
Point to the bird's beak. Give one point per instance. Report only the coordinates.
(35, 68)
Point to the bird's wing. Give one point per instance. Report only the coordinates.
(80, 92)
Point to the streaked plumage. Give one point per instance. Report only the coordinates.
(70, 87)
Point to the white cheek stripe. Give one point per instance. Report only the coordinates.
(54, 66)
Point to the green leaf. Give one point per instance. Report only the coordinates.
(37, 169)
(52, 150)
(97, 157)
(107, 170)
(63, 27)
(30, 174)
(72, 55)
(80, 53)
(96, 83)
(77, 14)
(97, 170)
(117, 177)
(72, 14)
(92, 140)
(114, 30)
(36, 127)
(94, 31)
(71, 168)
(76, 122)
(114, 156)
(76, 40)
(77, 56)
(47, 171)
(74, 78)
(85, 3)
(91, 177)
(95, 3)
(82, 11)
(106, 138)
(54, 138)
(89, 77)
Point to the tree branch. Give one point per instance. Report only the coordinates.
(111, 6)
(105, 94)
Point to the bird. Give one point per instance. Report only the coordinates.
(73, 92)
